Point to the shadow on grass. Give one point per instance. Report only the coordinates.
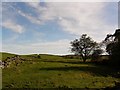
(95, 70)
(68, 62)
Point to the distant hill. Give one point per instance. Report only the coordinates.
(4, 55)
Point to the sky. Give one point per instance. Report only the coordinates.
(49, 27)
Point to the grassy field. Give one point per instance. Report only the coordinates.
(52, 71)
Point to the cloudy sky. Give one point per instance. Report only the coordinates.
(48, 27)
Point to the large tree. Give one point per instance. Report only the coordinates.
(83, 46)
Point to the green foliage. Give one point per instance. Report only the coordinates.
(83, 46)
(113, 47)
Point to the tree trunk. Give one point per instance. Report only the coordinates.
(84, 58)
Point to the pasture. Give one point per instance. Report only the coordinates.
(51, 71)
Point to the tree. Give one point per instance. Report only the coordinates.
(113, 46)
(83, 46)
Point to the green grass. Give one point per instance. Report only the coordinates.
(54, 71)
(4, 55)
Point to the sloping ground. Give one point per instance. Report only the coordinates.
(4, 55)
(51, 71)
(43, 57)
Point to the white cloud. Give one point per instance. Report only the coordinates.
(41, 11)
(75, 18)
(20, 0)
(33, 4)
(81, 0)
(13, 26)
(58, 47)
(60, 0)
(30, 18)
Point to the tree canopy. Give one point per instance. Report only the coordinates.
(83, 46)
(113, 46)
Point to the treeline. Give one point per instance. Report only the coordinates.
(86, 48)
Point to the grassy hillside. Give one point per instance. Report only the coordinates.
(4, 55)
(44, 57)
(52, 71)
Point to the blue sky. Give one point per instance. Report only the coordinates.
(48, 27)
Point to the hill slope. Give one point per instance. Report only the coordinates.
(4, 55)
(51, 71)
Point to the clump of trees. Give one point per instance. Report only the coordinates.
(85, 47)
(112, 42)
